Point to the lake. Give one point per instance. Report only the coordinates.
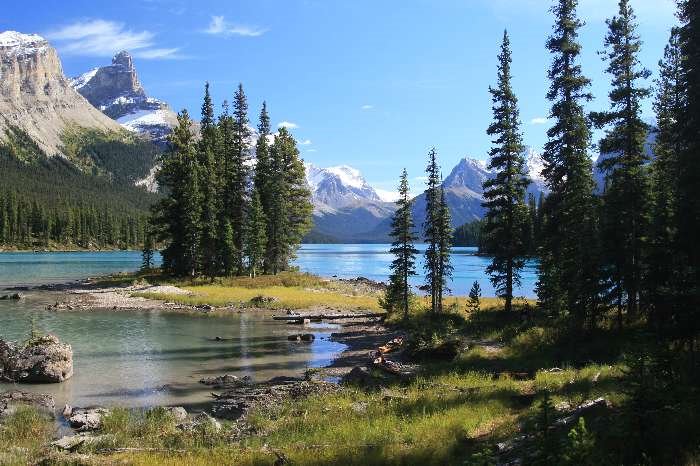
(341, 260)
(140, 359)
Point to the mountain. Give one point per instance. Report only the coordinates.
(116, 90)
(36, 99)
(346, 207)
(464, 191)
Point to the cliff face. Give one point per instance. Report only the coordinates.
(115, 90)
(36, 97)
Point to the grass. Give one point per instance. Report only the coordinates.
(24, 436)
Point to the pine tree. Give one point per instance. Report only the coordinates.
(290, 202)
(177, 218)
(404, 264)
(568, 272)
(227, 249)
(662, 265)
(504, 195)
(256, 235)
(474, 304)
(626, 198)
(209, 184)
(263, 180)
(688, 192)
(147, 254)
(445, 233)
(431, 232)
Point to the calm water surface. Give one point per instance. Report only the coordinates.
(146, 358)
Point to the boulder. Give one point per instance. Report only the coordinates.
(87, 419)
(201, 422)
(359, 375)
(13, 296)
(10, 401)
(41, 360)
(226, 381)
(178, 413)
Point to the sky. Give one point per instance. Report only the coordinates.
(368, 83)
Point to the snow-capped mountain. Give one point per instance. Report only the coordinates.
(464, 191)
(345, 205)
(36, 97)
(116, 90)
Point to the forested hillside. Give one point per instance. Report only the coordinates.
(85, 200)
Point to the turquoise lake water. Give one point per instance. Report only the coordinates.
(141, 359)
(341, 260)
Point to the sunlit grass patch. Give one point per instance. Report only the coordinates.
(23, 435)
(284, 297)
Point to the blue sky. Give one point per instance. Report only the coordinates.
(368, 83)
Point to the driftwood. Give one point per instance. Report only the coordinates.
(387, 366)
(580, 411)
(391, 345)
(317, 317)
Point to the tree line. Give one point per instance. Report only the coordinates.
(632, 249)
(45, 202)
(226, 212)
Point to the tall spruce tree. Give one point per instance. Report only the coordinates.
(444, 227)
(263, 180)
(504, 195)
(225, 242)
(209, 184)
(403, 266)
(688, 193)
(237, 176)
(290, 202)
(177, 218)
(568, 272)
(437, 232)
(431, 232)
(256, 235)
(626, 199)
(668, 106)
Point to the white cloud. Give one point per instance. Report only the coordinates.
(367, 107)
(218, 26)
(305, 142)
(310, 150)
(538, 121)
(387, 196)
(102, 38)
(287, 124)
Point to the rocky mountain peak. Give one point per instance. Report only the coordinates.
(116, 90)
(123, 59)
(36, 97)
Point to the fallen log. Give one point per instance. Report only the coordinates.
(391, 345)
(327, 316)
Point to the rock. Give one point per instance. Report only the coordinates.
(178, 413)
(43, 360)
(263, 300)
(69, 442)
(360, 407)
(235, 404)
(203, 422)
(13, 296)
(67, 411)
(87, 419)
(226, 381)
(359, 375)
(9, 401)
(305, 337)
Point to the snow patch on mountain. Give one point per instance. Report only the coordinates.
(22, 44)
